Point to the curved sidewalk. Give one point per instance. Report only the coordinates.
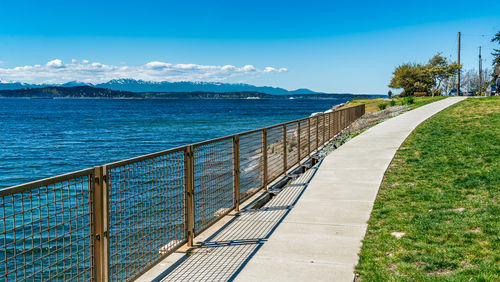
(310, 231)
(319, 239)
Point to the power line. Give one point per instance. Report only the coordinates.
(482, 35)
(479, 35)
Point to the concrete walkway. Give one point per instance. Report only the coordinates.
(312, 230)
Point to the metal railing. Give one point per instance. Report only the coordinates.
(115, 221)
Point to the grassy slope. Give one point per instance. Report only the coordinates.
(443, 190)
(372, 104)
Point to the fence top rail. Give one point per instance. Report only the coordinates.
(201, 143)
(75, 174)
(250, 132)
(145, 157)
(289, 122)
(350, 107)
(44, 182)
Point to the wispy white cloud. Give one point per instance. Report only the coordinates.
(56, 71)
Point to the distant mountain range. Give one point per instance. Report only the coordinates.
(97, 92)
(132, 85)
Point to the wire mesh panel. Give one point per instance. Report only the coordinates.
(213, 181)
(327, 126)
(304, 144)
(46, 229)
(343, 119)
(146, 211)
(321, 130)
(345, 113)
(333, 123)
(291, 144)
(250, 163)
(339, 121)
(312, 144)
(274, 152)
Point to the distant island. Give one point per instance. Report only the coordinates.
(133, 85)
(105, 93)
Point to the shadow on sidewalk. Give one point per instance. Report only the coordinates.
(223, 255)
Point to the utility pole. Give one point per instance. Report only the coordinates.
(480, 72)
(458, 61)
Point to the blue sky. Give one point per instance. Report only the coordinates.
(331, 46)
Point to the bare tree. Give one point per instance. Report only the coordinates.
(470, 80)
(487, 75)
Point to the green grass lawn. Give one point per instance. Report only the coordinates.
(371, 105)
(442, 190)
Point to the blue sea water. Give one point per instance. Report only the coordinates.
(46, 233)
(41, 138)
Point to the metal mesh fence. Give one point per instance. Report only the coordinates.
(313, 133)
(274, 152)
(332, 124)
(213, 181)
(292, 149)
(327, 126)
(321, 130)
(145, 208)
(46, 230)
(250, 163)
(146, 212)
(342, 119)
(338, 123)
(304, 139)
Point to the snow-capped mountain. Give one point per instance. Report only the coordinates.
(133, 85)
(187, 86)
(75, 83)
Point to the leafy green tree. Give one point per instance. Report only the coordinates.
(412, 78)
(441, 70)
(496, 53)
(428, 78)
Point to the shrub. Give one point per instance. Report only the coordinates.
(393, 103)
(382, 106)
(408, 100)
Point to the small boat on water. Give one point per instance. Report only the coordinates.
(253, 98)
(42, 97)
